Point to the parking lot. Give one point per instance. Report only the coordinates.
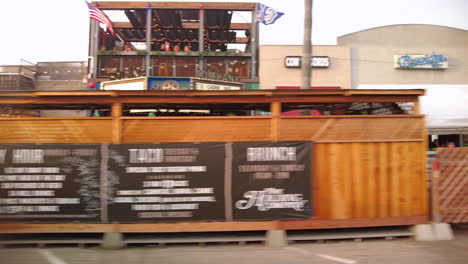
(402, 250)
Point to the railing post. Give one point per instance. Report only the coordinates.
(275, 109)
(116, 122)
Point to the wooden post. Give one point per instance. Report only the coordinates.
(275, 109)
(417, 108)
(116, 122)
(423, 177)
(435, 197)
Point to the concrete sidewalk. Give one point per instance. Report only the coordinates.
(400, 251)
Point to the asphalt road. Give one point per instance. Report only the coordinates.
(379, 251)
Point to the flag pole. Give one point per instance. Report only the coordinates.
(307, 46)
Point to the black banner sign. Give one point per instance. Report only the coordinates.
(164, 182)
(271, 180)
(50, 182)
(155, 182)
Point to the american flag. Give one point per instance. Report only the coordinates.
(99, 16)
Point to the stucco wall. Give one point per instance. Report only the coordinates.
(372, 54)
(273, 72)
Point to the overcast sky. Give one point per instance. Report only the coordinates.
(57, 30)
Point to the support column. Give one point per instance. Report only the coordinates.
(93, 48)
(201, 40)
(148, 42)
(116, 122)
(254, 44)
(275, 109)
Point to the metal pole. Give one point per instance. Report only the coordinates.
(148, 42)
(307, 46)
(201, 42)
(94, 45)
(253, 44)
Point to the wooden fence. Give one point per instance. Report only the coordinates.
(453, 188)
(367, 170)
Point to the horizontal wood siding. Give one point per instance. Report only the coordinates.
(56, 130)
(355, 129)
(196, 130)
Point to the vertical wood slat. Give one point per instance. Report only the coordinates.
(347, 175)
(321, 181)
(382, 176)
(337, 198)
(371, 181)
(394, 181)
(417, 173)
(421, 176)
(358, 193)
(406, 178)
(402, 184)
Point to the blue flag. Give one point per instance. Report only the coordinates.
(267, 15)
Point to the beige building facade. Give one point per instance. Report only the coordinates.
(373, 51)
(278, 66)
(413, 56)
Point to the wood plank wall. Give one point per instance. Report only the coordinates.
(56, 130)
(363, 166)
(368, 180)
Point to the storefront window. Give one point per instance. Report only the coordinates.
(186, 67)
(163, 67)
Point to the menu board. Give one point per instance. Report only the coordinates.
(165, 182)
(50, 182)
(271, 180)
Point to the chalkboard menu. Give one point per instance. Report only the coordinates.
(161, 182)
(50, 182)
(271, 180)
